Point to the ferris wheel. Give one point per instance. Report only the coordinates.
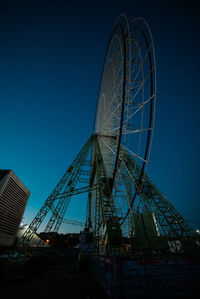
(125, 112)
(115, 158)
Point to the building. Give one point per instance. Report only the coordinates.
(13, 200)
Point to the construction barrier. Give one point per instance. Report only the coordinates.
(123, 277)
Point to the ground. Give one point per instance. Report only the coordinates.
(49, 278)
(59, 284)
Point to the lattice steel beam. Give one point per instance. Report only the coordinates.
(66, 186)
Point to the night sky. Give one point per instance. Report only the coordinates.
(51, 56)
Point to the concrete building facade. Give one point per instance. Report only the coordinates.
(13, 200)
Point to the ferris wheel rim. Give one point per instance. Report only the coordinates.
(153, 96)
(105, 107)
(124, 91)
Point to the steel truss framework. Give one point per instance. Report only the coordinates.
(114, 161)
(102, 204)
(59, 199)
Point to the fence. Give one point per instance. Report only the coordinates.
(147, 278)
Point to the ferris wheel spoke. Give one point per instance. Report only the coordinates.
(128, 195)
(123, 196)
(139, 82)
(137, 92)
(124, 130)
(142, 81)
(114, 96)
(145, 79)
(115, 89)
(113, 130)
(135, 61)
(113, 112)
(115, 93)
(135, 155)
(140, 107)
(141, 64)
(130, 131)
(112, 149)
(126, 149)
(114, 71)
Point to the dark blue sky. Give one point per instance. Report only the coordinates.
(51, 56)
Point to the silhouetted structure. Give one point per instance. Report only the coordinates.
(13, 199)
